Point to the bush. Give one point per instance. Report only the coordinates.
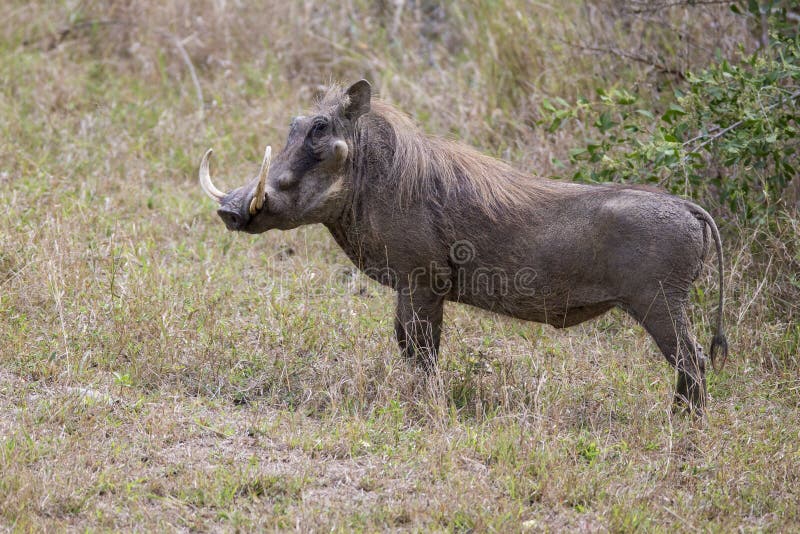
(729, 136)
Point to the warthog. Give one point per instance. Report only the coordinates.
(437, 221)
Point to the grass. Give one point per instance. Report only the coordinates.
(160, 373)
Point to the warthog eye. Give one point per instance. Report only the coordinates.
(319, 126)
(315, 140)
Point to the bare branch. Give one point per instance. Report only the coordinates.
(188, 62)
(639, 7)
(630, 55)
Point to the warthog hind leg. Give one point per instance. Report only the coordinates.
(669, 327)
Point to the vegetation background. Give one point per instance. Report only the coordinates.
(158, 372)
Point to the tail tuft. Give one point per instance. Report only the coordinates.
(719, 344)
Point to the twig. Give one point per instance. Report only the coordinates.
(743, 311)
(188, 62)
(54, 288)
(208, 428)
(629, 55)
(700, 136)
(764, 21)
(666, 5)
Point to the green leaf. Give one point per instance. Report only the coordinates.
(604, 122)
(672, 112)
(623, 97)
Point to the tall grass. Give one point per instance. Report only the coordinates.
(157, 372)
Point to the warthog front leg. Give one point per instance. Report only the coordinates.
(690, 391)
(418, 325)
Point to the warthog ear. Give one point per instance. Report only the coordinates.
(359, 93)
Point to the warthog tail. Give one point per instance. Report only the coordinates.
(719, 344)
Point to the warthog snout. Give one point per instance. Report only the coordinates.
(232, 219)
(239, 206)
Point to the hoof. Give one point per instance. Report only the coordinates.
(681, 405)
(690, 395)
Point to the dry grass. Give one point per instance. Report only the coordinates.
(157, 372)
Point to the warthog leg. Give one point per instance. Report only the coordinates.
(690, 391)
(666, 321)
(418, 325)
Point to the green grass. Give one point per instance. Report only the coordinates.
(158, 372)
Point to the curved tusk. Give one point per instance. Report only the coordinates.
(259, 195)
(205, 179)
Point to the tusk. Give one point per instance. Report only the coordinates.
(205, 179)
(259, 196)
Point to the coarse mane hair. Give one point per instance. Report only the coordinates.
(429, 167)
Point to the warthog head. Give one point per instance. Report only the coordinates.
(307, 181)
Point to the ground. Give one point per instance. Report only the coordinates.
(160, 373)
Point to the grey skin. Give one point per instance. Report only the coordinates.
(561, 256)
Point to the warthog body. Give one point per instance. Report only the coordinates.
(437, 221)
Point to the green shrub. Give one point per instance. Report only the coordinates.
(729, 136)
